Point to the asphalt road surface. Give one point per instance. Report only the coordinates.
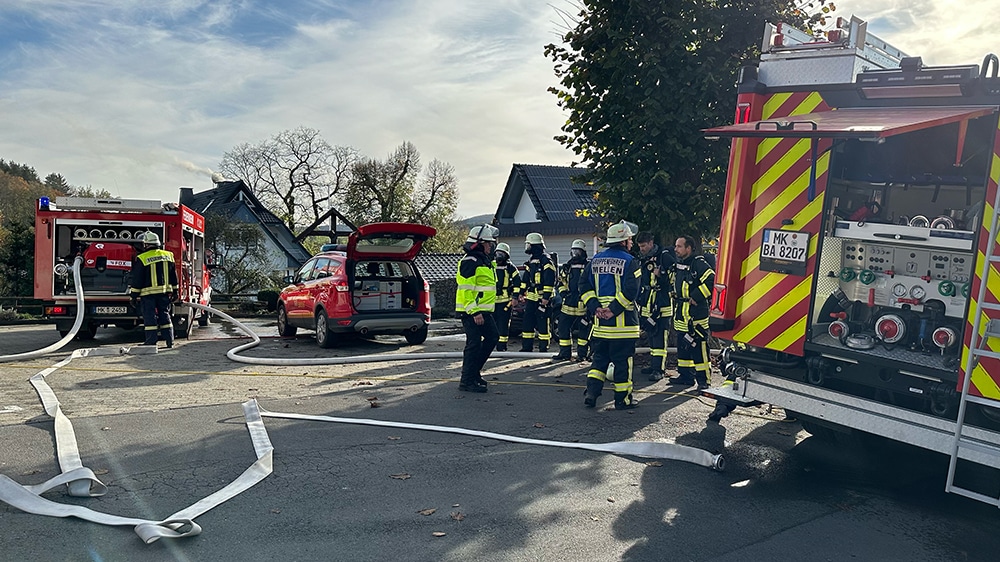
(164, 431)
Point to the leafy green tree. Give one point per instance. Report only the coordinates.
(639, 80)
(17, 260)
(90, 191)
(23, 171)
(57, 183)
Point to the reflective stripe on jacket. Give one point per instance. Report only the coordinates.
(611, 280)
(477, 284)
(508, 282)
(538, 280)
(153, 273)
(693, 283)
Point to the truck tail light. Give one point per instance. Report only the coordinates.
(56, 310)
(719, 299)
(742, 113)
(891, 328)
(944, 337)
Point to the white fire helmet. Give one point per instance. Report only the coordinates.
(150, 238)
(483, 233)
(579, 244)
(533, 238)
(503, 247)
(620, 232)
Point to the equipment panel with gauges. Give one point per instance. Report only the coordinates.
(897, 276)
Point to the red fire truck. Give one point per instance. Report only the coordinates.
(106, 233)
(857, 280)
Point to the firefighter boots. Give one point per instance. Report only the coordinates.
(656, 375)
(565, 353)
(582, 352)
(502, 346)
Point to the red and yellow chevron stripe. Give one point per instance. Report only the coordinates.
(986, 375)
(772, 309)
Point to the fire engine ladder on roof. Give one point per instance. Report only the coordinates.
(977, 349)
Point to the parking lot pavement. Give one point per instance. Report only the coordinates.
(165, 430)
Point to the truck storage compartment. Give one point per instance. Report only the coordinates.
(896, 262)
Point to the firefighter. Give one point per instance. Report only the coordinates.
(610, 286)
(508, 288)
(153, 287)
(693, 283)
(538, 282)
(573, 314)
(661, 313)
(475, 302)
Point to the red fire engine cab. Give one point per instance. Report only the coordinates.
(857, 278)
(106, 233)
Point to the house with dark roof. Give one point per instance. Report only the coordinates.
(546, 200)
(234, 200)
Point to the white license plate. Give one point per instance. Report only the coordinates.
(110, 310)
(785, 245)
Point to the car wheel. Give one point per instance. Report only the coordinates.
(284, 329)
(324, 337)
(418, 337)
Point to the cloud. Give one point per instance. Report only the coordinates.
(141, 97)
(122, 91)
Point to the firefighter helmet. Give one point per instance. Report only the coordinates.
(619, 232)
(150, 239)
(580, 244)
(532, 239)
(483, 233)
(503, 247)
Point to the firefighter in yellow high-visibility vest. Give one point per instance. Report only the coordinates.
(153, 283)
(475, 301)
(508, 288)
(693, 283)
(610, 285)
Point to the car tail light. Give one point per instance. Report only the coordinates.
(342, 286)
(944, 337)
(424, 302)
(838, 329)
(891, 328)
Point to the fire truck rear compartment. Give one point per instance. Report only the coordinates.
(895, 265)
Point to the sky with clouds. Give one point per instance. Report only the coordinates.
(142, 97)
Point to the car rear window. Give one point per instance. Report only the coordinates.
(384, 245)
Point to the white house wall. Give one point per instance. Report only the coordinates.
(525, 210)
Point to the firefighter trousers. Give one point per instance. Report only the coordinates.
(568, 326)
(480, 340)
(658, 344)
(617, 352)
(692, 358)
(502, 318)
(536, 319)
(156, 319)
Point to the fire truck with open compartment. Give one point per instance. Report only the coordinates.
(107, 234)
(857, 283)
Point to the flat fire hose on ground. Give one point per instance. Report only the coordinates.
(82, 482)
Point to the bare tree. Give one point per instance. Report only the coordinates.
(296, 173)
(383, 190)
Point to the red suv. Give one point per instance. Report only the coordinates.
(371, 286)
